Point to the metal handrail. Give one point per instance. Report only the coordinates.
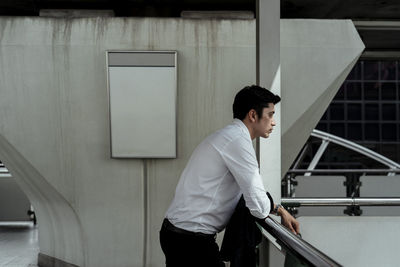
(296, 245)
(330, 171)
(345, 201)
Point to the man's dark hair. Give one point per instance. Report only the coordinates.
(252, 97)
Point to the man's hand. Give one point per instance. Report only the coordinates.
(289, 221)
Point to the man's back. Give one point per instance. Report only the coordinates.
(209, 187)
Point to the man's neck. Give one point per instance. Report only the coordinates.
(249, 127)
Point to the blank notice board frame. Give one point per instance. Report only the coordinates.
(142, 94)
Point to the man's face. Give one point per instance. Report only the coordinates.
(266, 123)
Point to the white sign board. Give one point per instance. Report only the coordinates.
(142, 100)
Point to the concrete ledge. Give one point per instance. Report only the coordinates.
(75, 13)
(217, 14)
(48, 261)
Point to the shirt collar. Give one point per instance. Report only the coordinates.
(242, 126)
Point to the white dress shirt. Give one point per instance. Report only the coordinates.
(221, 168)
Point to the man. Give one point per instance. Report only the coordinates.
(220, 170)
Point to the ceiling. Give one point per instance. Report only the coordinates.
(320, 9)
(375, 37)
(342, 9)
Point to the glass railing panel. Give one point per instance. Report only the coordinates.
(297, 250)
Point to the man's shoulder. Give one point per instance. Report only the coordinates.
(229, 130)
(228, 134)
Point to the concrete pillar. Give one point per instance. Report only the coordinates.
(269, 76)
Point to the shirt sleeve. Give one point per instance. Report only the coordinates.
(241, 161)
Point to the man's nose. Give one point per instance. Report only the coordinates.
(273, 122)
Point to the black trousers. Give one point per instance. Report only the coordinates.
(184, 249)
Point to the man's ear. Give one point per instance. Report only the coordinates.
(252, 114)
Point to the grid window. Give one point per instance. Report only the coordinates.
(371, 131)
(390, 149)
(372, 111)
(366, 108)
(354, 111)
(340, 94)
(371, 70)
(389, 132)
(388, 70)
(388, 112)
(398, 91)
(336, 112)
(371, 91)
(322, 127)
(353, 90)
(355, 73)
(337, 129)
(388, 91)
(354, 131)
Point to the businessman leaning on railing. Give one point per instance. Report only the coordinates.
(222, 168)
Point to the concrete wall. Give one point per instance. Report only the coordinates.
(54, 127)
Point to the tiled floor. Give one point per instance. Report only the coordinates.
(18, 244)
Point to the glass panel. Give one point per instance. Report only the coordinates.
(353, 90)
(354, 111)
(371, 131)
(336, 112)
(388, 91)
(371, 91)
(389, 111)
(371, 111)
(389, 132)
(291, 260)
(371, 70)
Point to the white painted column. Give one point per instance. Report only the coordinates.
(268, 76)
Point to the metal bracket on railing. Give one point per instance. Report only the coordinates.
(318, 155)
